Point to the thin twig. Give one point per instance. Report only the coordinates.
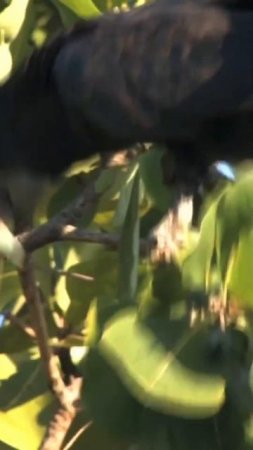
(77, 435)
(79, 276)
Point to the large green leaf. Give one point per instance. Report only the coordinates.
(129, 247)
(155, 376)
(115, 412)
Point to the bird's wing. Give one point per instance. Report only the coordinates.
(136, 67)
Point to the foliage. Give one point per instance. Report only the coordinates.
(153, 378)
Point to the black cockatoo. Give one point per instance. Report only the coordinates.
(178, 72)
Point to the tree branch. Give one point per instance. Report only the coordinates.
(32, 295)
(38, 238)
(55, 229)
(63, 418)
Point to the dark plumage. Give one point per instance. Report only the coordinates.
(178, 72)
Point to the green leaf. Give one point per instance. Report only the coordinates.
(82, 8)
(20, 426)
(68, 191)
(12, 18)
(240, 282)
(234, 216)
(68, 17)
(111, 183)
(103, 267)
(156, 377)
(36, 29)
(9, 288)
(125, 196)
(107, 400)
(196, 267)
(159, 288)
(13, 340)
(25, 405)
(107, 5)
(167, 283)
(6, 61)
(129, 247)
(92, 332)
(144, 296)
(152, 176)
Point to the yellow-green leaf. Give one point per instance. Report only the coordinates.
(83, 8)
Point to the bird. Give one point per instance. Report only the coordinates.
(176, 72)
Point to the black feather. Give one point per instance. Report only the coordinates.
(176, 72)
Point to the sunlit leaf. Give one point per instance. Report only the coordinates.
(155, 376)
(12, 17)
(6, 60)
(7, 367)
(23, 398)
(20, 427)
(83, 8)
